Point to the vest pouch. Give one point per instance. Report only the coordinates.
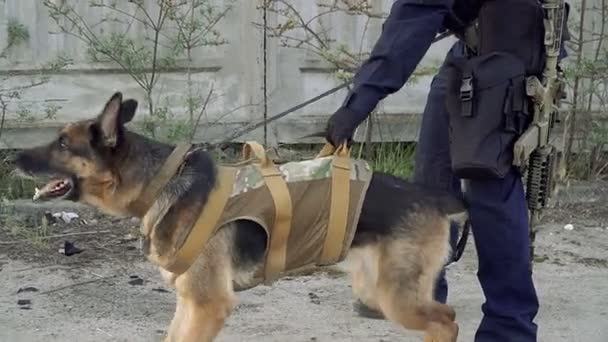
(488, 110)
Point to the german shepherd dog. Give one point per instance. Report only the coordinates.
(400, 245)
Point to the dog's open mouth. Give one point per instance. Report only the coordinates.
(56, 188)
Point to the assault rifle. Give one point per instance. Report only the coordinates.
(533, 151)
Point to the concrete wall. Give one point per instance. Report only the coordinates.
(235, 69)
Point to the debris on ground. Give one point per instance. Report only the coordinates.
(128, 238)
(158, 289)
(314, 298)
(27, 289)
(50, 219)
(569, 227)
(136, 280)
(24, 304)
(69, 249)
(66, 217)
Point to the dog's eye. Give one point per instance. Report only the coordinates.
(63, 143)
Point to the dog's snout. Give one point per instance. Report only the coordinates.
(31, 161)
(22, 160)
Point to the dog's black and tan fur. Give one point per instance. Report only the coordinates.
(401, 240)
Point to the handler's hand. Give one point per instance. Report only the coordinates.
(341, 126)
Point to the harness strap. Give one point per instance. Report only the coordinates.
(340, 199)
(204, 227)
(276, 258)
(150, 192)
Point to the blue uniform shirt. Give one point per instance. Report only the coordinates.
(406, 36)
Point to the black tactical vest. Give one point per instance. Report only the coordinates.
(512, 26)
(486, 96)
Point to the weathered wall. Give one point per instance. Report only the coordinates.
(235, 69)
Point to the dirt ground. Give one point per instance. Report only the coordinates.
(108, 292)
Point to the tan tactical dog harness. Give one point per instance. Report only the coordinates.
(309, 209)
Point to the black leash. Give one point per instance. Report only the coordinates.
(251, 127)
(459, 250)
(254, 126)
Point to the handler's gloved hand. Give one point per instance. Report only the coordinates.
(341, 126)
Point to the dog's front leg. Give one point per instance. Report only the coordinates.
(178, 319)
(198, 322)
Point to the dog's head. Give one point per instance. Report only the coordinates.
(81, 163)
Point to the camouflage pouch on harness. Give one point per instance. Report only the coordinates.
(486, 96)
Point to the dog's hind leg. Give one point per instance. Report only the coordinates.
(408, 268)
(363, 267)
(404, 302)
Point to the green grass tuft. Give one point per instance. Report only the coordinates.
(12, 186)
(393, 158)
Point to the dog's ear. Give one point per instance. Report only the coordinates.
(109, 120)
(127, 111)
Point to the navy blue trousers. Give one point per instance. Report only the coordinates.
(499, 221)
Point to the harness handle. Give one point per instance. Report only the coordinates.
(255, 148)
(339, 202)
(329, 150)
(276, 258)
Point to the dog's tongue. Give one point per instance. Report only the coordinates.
(54, 188)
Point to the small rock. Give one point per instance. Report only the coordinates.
(136, 281)
(93, 222)
(160, 290)
(134, 276)
(25, 308)
(314, 298)
(69, 249)
(22, 302)
(27, 289)
(569, 227)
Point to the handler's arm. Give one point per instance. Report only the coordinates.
(406, 36)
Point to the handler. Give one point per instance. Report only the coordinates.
(498, 208)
